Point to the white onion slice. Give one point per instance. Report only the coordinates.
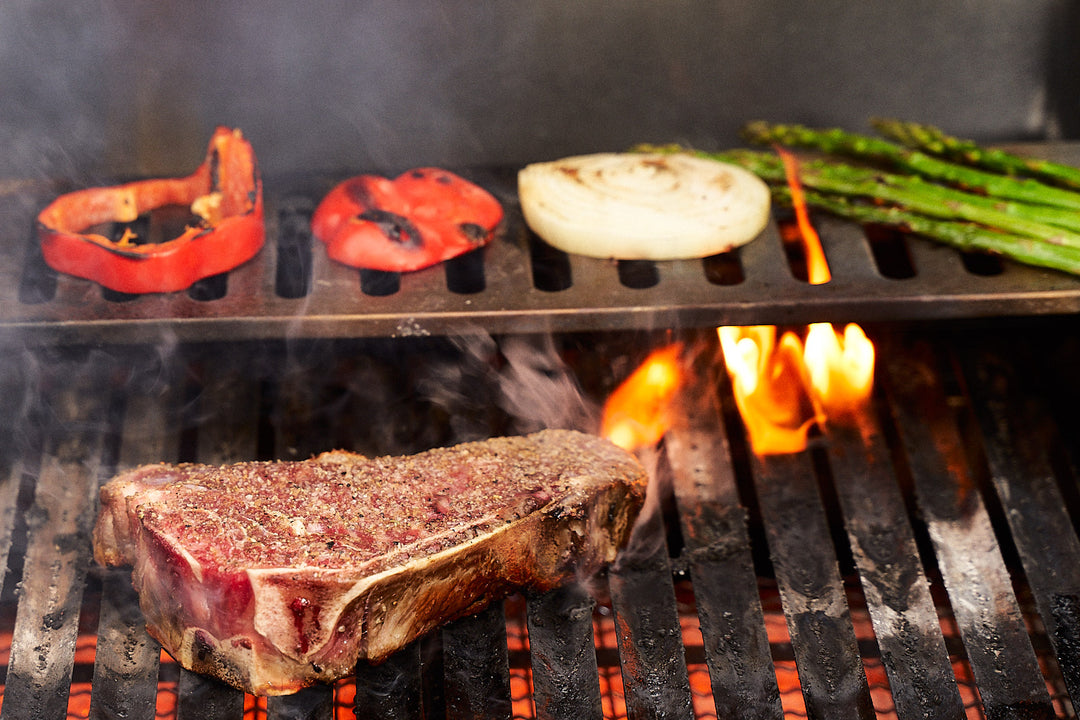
(643, 206)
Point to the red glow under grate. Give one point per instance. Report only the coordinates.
(610, 676)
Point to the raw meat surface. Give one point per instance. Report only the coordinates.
(274, 575)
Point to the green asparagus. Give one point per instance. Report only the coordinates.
(932, 140)
(960, 235)
(866, 147)
(910, 192)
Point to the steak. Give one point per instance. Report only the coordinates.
(272, 576)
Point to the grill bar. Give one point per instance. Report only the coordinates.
(57, 550)
(978, 582)
(315, 703)
(651, 652)
(815, 606)
(886, 555)
(202, 697)
(476, 670)
(126, 664)
(226, 410)
(393, 689)
(1013, 424)
(563, 655)
(720, 558)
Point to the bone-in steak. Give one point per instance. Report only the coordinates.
(274, 575)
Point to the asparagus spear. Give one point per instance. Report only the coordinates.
(839, 141)
(913, 193)
(932, 140)
(960, 235)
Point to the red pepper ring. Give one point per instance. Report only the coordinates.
(225, 192)
(420, 218)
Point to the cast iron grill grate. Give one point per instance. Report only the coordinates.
(926, 567)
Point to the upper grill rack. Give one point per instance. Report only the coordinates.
(516, 284)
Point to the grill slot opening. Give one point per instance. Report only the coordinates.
(379, 283)
(37, 281)
(981, 264)
(294, 269)
(890, 251)
(550, 267)
(465, 274)
(724, 269)
(638, 274)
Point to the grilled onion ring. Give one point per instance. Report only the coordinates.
(634, 206)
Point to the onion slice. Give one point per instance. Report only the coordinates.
(635, 206)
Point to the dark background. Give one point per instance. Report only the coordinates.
(94, 90)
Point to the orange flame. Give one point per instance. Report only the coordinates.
(840, 369)
(638, 412)
(767, 380)
(783, 389)
(817, 267)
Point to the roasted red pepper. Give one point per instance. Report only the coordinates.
(225, 192)
(420, 218)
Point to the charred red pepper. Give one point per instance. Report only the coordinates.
(225, 192)
(420, 218)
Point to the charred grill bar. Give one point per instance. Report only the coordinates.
(955, 504)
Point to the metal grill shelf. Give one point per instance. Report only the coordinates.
(501, 291)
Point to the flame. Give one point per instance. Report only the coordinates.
(638, 412)
(817, 267)
(767, 381)
(840, 369)
(783, 389)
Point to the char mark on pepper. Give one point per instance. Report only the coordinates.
(397, 228)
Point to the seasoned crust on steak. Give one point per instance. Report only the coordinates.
(274, 575)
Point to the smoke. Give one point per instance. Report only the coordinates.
(540, 391)
(512, 385)
(648, 537)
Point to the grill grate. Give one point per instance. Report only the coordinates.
(923, 566)
(517, 284)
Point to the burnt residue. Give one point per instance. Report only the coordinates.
(1065, 611)
(830, 690)
(563, 654)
